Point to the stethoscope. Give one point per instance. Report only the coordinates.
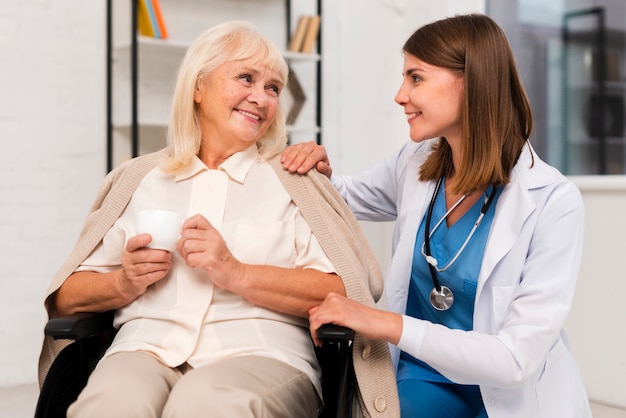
(441, 297)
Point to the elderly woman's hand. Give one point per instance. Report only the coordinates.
(201, 245)
(304, 156)
(142, 266)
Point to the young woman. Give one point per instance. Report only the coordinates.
(487, 238)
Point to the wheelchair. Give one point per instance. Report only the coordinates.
(92, 334)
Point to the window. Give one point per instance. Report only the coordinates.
(572, 59)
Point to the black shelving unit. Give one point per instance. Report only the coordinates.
(602, 99)
(134, 74)
(318, 83)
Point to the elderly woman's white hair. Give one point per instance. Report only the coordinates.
(230, 41)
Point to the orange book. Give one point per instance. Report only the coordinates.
(158, 13)
(312, 31)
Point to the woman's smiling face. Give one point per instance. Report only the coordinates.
(432, 98)
(237, 103)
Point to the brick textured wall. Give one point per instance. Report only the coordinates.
(52, 129)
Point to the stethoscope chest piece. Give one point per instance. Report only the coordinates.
(441, 299)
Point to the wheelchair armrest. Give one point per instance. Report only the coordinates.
(335, 333)
(68, 374)
(335, 358)
(79, 325)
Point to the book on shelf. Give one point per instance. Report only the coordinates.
(158, 13)
(295, 45)
(144, 23)
(310, 37)
(150, 20)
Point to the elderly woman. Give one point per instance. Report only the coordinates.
(219, 327)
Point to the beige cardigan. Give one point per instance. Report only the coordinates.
(330, 220)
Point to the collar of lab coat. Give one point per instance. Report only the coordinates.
(513, 207)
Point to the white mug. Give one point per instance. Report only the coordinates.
(163, 225)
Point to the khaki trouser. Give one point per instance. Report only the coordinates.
(137, 384)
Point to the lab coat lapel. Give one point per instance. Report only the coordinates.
(513, 208)
(417, 190)
(409, 218)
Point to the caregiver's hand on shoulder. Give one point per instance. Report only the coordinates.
(302, 157)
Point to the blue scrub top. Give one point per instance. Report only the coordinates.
(461, 277)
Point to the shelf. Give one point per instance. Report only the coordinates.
(614, 38)
(591, 142)
(153, 46)
(295, 129)
(139, 99)
(589, 86)
(300, 56)
(142, 123)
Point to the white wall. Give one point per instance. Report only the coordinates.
(362, 72)
(596, 325)
(52, 126)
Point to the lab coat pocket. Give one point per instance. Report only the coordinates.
(266, 243)
(502, 298)
(559, 390)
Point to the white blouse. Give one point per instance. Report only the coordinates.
(184, 317)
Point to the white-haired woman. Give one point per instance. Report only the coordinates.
(217, 327)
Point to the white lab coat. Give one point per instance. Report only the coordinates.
(518, 352)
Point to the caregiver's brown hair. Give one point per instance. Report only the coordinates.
(496, 117)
